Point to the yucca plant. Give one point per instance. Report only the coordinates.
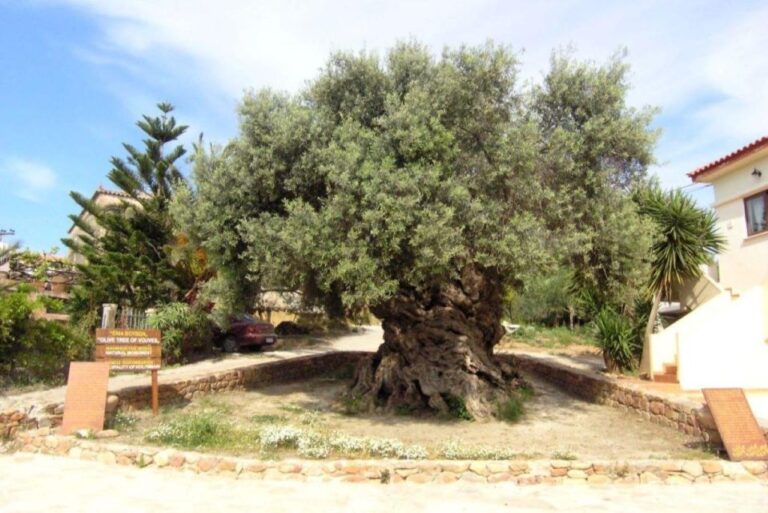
(617, 339)
(687, 239)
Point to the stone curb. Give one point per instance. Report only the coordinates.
(551, 472)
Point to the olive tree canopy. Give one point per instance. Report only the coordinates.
(420, 187)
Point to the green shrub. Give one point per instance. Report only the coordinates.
(186, 330)
(513, 408)
(49, 347)
(35, 350)
(456, 407)
(544, 299)
(617, 337)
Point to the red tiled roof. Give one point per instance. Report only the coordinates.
(734, 155)
(107, 192)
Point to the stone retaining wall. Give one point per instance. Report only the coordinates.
(257, 375)
(45, 441)
(689, 416)
(13, 421)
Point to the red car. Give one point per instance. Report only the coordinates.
(247, 331)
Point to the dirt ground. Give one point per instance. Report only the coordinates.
(555, 425)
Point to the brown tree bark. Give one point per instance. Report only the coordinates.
(438, 346)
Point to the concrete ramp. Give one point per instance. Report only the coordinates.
(741, 434)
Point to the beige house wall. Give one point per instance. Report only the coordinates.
(103, 199)
(744, 262)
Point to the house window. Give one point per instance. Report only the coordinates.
(756, 208)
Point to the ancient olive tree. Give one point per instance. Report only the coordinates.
(419, 187)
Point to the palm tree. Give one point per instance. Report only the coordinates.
(687, 239)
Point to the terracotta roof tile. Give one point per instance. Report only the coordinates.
(734, 155)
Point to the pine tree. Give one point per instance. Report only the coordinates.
(126, 245)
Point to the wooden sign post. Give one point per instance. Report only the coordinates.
(131, 350)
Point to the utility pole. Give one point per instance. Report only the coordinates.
(3, 233)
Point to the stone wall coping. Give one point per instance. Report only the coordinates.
(521, 472)
(609, 379)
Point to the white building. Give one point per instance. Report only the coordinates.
(722, 341)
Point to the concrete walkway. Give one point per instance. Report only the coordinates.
(366, 338)
(36, 483)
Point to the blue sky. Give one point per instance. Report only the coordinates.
(76, 74)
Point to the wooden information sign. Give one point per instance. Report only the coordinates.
(741, 434)
(131, 350)
(86, 396)
(128, 349)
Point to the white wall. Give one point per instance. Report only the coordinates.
(664, 345)
(723, 344)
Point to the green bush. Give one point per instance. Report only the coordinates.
(617, 337)
(185, 330)
(51, 304)
(35, 350)
(457, 408)
(543, 299)
(513, 408)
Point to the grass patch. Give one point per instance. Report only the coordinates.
(552, 338)
(455, 450)
(291, 408)
(204, 429)
(512, 409)
(124, 421)
(352, 403)
(567, 456)
(268, 419)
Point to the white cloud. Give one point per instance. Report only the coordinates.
(702, 62)
(28, 180)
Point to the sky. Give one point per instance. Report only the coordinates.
(75, 75)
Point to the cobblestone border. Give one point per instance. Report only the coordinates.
(45, 441)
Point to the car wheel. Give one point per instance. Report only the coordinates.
(231, 345)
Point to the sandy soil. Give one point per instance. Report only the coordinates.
(555, 424)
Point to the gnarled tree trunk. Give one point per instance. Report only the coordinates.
(438, 347)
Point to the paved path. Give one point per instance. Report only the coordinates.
(36, 483)
(366, 338)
